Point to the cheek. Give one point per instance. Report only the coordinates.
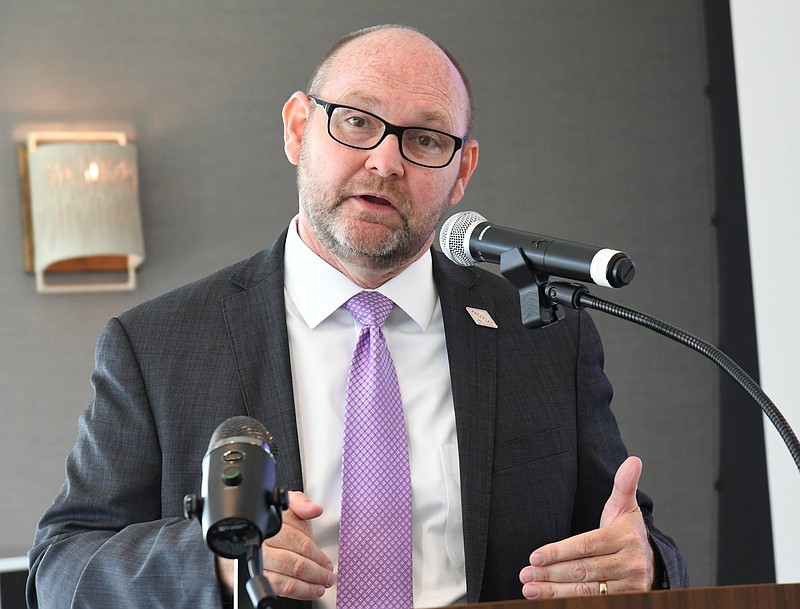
(337, 164)
(435, 191)
(321, 167)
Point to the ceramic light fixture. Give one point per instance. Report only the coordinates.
(84, 214)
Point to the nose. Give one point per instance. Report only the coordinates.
(385, 159)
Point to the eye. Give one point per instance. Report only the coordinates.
(354, 120)
(357, 121)
(426, 141)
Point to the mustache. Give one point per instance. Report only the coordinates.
(377, 186)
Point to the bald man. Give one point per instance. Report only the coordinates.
(520, 484)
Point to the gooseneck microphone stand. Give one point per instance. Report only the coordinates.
(540, 301)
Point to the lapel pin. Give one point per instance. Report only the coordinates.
(481, 317)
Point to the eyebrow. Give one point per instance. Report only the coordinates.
(429, 118)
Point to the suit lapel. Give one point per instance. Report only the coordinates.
(472, 351)
(256, 322)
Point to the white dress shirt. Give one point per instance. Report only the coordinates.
(322, 337)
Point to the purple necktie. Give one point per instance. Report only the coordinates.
(375, 531)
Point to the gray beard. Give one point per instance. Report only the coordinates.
(399, 248)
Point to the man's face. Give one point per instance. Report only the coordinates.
(381, 217)
(373, 208)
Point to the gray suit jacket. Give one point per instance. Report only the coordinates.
(538, 444)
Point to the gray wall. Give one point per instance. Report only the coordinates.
(593, 125)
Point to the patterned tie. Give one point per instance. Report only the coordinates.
(375, 531)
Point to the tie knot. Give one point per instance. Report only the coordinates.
(369, 308)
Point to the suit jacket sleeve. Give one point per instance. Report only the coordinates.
(601, 451)
(108, 541)
(538, 443)
(167, 373)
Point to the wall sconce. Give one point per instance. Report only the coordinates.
(81, 213)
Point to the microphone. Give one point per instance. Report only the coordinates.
(467, 238)
(240, 505)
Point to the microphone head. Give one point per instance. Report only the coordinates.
(240, 427)
(454, 236)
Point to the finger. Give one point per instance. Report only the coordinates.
(629, 562)
(302, 506)
(549, 590)
(298, 541)
(295, 533)
(295, 576)
(597, 542)
(295, 566)
(623, 495)
(575, 571)
(287, 587)
(301, 510)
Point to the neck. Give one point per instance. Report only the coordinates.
(360, 272)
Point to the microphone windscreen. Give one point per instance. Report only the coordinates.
(453, 236)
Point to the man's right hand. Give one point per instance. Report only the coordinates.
(295, 566)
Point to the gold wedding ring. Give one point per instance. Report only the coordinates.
(603, 588)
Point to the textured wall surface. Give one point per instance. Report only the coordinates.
(593, 124)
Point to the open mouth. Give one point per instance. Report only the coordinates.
(376, 200)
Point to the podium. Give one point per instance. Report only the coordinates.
(756, 596)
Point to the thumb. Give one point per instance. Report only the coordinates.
(623, 496)
(302, 506)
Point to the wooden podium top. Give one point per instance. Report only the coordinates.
(757, 596)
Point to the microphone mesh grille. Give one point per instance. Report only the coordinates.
(453, 236)
(241, 426)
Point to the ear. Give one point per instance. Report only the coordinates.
(469, 161)
(295, 115)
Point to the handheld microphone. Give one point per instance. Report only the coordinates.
(467, 238)
(240, 505)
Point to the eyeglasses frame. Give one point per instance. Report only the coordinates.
(389, 129)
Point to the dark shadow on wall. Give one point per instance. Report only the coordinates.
(744, 542)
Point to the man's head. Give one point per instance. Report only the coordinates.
(322, 71)
(371, 212)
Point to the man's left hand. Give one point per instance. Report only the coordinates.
(617, 557)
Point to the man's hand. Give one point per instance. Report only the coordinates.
(294, 565)
(617, 554)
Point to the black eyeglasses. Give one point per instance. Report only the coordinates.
(364, 130)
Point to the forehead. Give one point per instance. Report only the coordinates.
(400, 72)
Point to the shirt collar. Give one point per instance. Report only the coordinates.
(318, 289)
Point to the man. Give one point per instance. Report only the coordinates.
(512, 448)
